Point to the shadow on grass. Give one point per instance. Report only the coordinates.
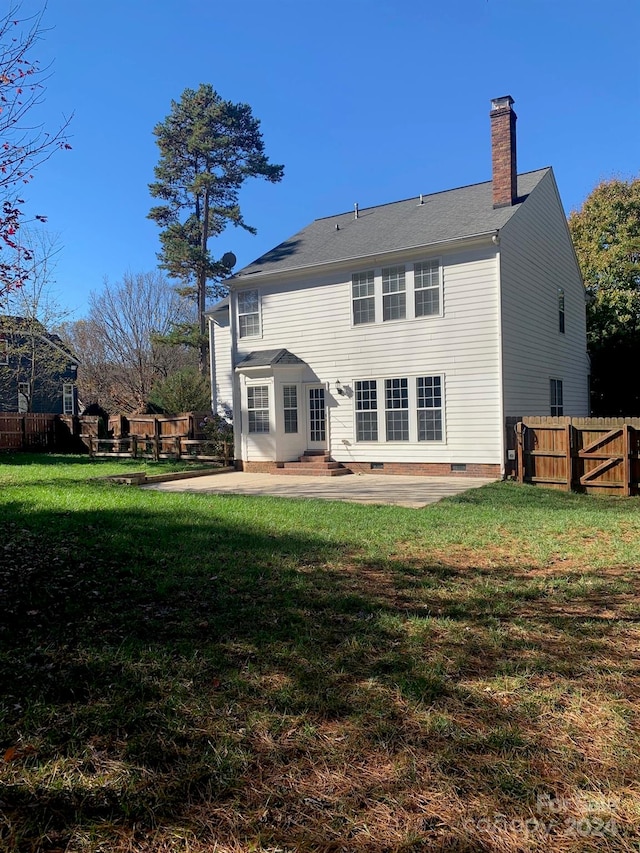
(278, 683)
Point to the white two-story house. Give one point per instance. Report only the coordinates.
(398, 338)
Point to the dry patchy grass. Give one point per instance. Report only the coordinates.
(231, 674)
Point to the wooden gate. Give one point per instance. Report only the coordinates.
(595, 455)
(603, 462)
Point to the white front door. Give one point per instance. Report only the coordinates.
(316, 418)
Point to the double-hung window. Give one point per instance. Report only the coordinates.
(396, 392)
(248, 313)
(555, 392)
(394, 295)
(426, 277)
(258, 408)
(290, 404)
(68, 399)
(366, 410)
(429, 407)
(363, 295)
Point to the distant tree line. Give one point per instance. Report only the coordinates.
(606, 236)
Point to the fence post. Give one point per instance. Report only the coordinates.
(569, 454)
(134, 445)
(520, 450)
(156, 448)
(626, 462)
(23, 433)
(177, 446)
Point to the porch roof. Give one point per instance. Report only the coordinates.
(268, 358)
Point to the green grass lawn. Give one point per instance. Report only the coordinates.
(195, 673)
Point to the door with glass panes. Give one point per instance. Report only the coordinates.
(316, 417)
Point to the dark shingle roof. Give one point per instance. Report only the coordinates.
(444, 216)
(219, 306)
(269, 357)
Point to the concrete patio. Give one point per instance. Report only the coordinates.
(407, 491)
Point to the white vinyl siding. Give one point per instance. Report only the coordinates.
(222, 386)
(311, 314)
(536, 260)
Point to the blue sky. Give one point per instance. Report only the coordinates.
(364, 101)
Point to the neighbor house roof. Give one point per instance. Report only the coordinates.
(269, 358)
(16, 325)
(421, 221)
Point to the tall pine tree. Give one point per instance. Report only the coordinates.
(208, 149)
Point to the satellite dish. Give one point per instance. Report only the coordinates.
(229, 260)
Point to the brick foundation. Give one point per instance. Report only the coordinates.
(256, 467)
(427, 469)
(415, 469)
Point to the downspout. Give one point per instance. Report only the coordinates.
(212, 369)
(235, 380)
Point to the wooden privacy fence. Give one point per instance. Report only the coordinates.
(594, 455)
(159, 437)
(162, 447)
(38, 432)
(147, 436)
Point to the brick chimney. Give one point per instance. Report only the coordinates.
(503, 152)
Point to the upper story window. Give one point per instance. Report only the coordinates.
(398, 292)
(363, 295)
(426, 286)
(394, 296)
(248, 313)
(561, 310)
(4, 350)
(555, 391)
(258, 408)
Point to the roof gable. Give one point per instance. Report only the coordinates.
(422, 221)
(269, 358)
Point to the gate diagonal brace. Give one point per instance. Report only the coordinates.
(600, 469)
